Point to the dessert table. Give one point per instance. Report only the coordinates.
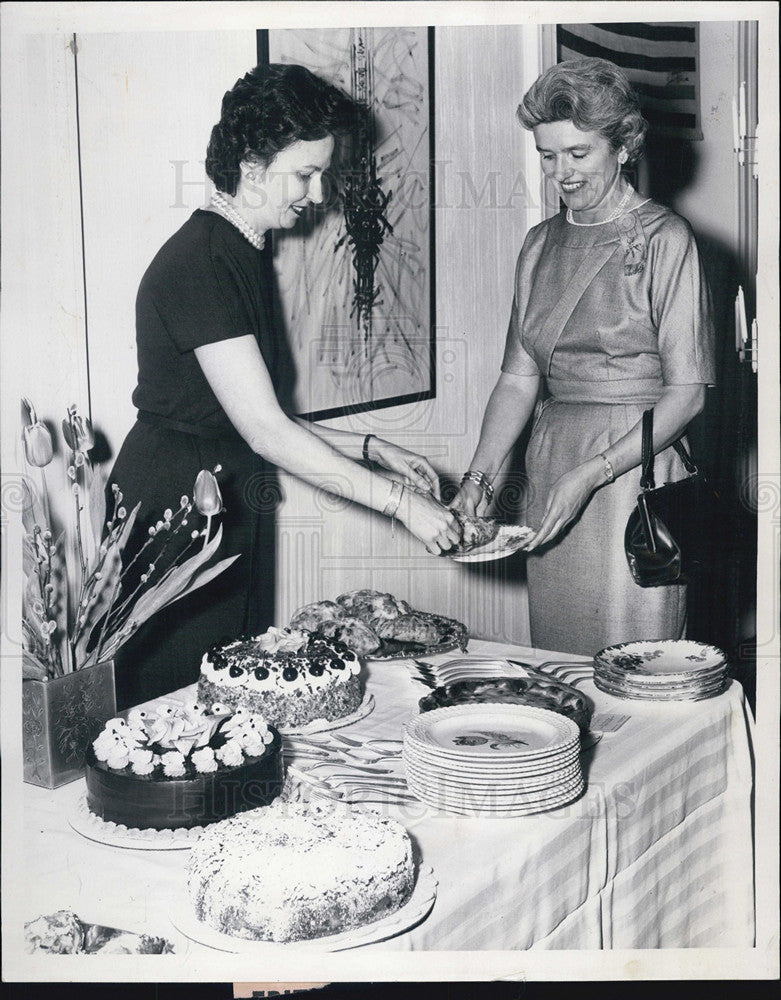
(656, 854)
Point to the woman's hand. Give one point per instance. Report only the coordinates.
(430, 521)
(415, 469)
(567, 498)
(468, 499)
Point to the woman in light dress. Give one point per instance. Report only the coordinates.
(611, 315)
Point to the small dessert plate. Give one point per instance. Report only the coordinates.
(509, 539)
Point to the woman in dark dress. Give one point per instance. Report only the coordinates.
(611, 316)
(209, 360)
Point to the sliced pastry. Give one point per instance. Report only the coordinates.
(353, 632)
(311, 616)
(417, 626)
(370, 605)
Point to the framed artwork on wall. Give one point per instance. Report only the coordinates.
(356, 278)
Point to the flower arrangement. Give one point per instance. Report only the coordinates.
(81, 601)
(177, 740)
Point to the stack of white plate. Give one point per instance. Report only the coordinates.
(667, 670)
(493, 759)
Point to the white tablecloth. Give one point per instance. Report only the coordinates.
(657, 853)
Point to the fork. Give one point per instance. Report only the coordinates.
(348, 763)
(429, 678)
(332, 790)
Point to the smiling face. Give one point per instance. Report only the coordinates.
(582, 166)
(281, 193)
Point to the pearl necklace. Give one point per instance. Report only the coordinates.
(617, 213)
(258, 240)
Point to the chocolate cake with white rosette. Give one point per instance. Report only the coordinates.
(178, 766)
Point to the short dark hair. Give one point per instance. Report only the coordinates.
(270, 108)
(595, 95)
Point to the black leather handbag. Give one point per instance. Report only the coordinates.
(668, 534)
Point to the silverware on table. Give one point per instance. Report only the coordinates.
(428, 676)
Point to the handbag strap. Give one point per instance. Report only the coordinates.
(647, 478)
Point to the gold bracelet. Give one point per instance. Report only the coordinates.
(482, 481)
(394, 498)
(608, 470)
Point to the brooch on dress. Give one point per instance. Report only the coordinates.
(633, 242)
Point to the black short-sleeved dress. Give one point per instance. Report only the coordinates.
(642, 323)
(206, 284)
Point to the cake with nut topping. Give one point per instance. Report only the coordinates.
(299, 870)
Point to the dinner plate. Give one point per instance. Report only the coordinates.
(492, 732)
(658, 690)
(515, 798)
(482, 766)
(540, 780)
(661, 658)
(685, 678)
(414, 911)
(487, 766)
(509, 539)
(502, 793)
(664, 696)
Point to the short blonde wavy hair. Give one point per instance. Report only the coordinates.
(595, 95)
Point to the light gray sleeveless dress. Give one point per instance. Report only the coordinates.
(643, 322)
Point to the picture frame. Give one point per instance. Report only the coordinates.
(355, 280)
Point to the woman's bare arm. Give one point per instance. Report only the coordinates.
(238, 376)
(676, 408)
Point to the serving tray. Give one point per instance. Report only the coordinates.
(536, 692)
(453, 635)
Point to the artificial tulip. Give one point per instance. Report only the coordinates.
(78, 432)
(206, 494)
(38, 448)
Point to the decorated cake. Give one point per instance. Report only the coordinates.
(297, 871)
(181, 766)
(289, 676)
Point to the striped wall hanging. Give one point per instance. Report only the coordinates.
(661, 61)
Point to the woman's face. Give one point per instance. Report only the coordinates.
(582, 166)
(282, 192)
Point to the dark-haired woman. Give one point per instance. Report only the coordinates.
(610, 317)
(209, 358)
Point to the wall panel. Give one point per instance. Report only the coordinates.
(44, 351)
(148, 102)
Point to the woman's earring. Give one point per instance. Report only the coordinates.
(251, 176)
(622, 157)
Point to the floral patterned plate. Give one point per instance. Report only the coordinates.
(663, 659)
(492, 732)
